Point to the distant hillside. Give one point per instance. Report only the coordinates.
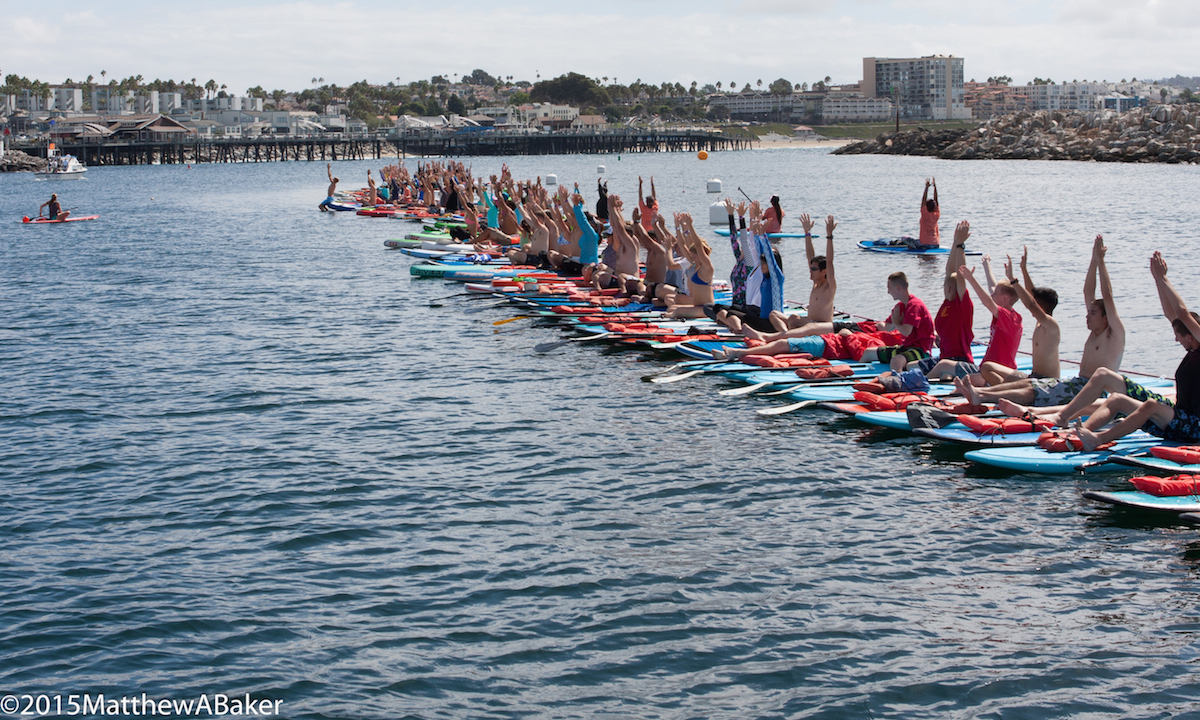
(1181, 81)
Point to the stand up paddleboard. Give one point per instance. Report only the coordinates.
(47, 221)
(885, 246)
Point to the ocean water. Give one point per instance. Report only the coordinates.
(244, 452)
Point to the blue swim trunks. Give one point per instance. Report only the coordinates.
(813, 345)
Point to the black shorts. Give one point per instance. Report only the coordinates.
(911, 354)
(840, 325)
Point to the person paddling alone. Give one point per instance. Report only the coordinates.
(53, 208)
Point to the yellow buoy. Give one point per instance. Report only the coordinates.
(703, 155)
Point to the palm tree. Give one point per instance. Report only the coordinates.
(605, 79)
(760, 84)
(718, 86)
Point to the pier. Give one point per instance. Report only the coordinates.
(283, 149)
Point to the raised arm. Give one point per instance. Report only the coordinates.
(830, 224)
(987, 273)
(809, 251)
(1089, 282)
(958, 257)
(1024, 291)
(617, 222)
(1172, 303)
(933, 181)
(985, 298)
(1110, 306)
(925, 195)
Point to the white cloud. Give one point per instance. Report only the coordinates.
(284, 45)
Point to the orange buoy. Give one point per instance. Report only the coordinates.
(703, 155)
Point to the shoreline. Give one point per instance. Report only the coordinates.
(779, 142)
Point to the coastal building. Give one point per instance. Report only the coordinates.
(68, 99)
(548, 115)
(849, 108)
(1084, 96)
(753, 105)
(111, 101)
(926, 88)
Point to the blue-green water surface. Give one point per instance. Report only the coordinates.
(243, 451)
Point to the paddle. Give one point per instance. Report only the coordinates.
(547, 347)
(787, 408)
(743, 192)
(744, 390)
(512, 319)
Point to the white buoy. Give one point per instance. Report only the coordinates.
(599, 169)
(714, 186)
(551, 179)
(718, 214)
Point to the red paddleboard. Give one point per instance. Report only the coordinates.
(47, 221)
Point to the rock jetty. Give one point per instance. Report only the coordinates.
(17, 161)
(1160, 133)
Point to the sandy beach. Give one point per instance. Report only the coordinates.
(771, 142)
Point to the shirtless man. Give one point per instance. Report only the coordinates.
(1180, 421)
(1104, 348)
(1040, 301)
(818, 320)
(324, 206)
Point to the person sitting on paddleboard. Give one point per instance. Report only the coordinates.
(931, 212)
(699, 255)
(647, 205)
(818, 316)
(54, 210)
(324, 206)
(1104, 348)
(954, 322)
(1178, 421)
(910, 317)
(773, 217)
(763, 291)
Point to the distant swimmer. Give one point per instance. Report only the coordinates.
(53, 208)
(324, 206)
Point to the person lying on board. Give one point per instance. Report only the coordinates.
(910, 317)
(843, 345)
(1104, 348)
(954, 323)
(818, 317)
(764, 286)
(700, 277)
(1178, 421)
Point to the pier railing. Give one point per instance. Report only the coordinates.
(282, 148)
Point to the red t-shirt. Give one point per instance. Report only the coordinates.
(771, 222)
(1006, 336)
(916, 314)
(930, 235)
(954, 324)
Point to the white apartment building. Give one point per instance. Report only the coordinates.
(1067, 96)
(926, 88)
(847, 108)
(68, 99)
(752, 104)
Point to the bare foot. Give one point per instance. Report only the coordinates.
(1089, 439)
(966, 390)
(719, 354)
(1010, 408)
(751, 333)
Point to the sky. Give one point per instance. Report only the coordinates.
(286, 45)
